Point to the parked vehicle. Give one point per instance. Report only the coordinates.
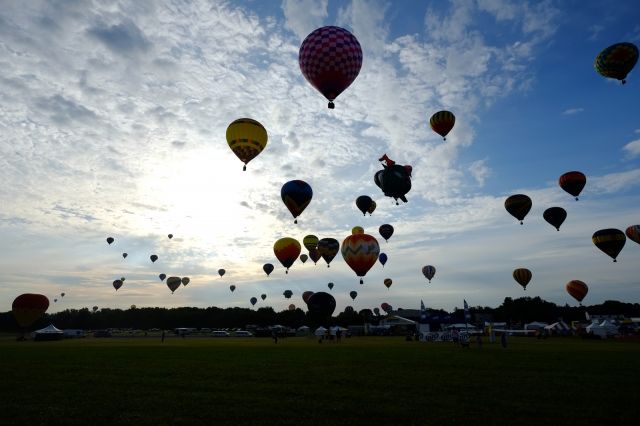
(242, 333)
(219, 333)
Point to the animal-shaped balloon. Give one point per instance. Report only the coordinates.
(393, 179)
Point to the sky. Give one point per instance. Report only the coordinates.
(113, 117)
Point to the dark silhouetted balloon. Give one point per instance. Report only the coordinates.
(306, 295)
(386, 307)
(428, 271)
(328, 248)
(253, 301)
(522, 276)
(353, 294)
(296, 195)
(314, 255)
(321, 304)
(382, 258)
(577, 289)
(124, 255)
(28, 308)
(117, 284)
(110, 240)
(610, 241)
(386, 231)
(162, 277)
(633, 233)
(442, 122)
(173, 283)
(292, 307)
(330, 59)
(616, 61)
(363, 203)
(394, 179)
(267, 268)
(330, 285)
(310, 242)
(573, 182)
(555, 216)
(518, 206)
(372, 208)
(263, 296)
(153, 257)
(232, 288)
(304, 258)
(221, 272)
(185, 280)
(388, 282)
(287, 294)
(170, 236)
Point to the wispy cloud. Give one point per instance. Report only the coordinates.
(632, 149)
(572, 111)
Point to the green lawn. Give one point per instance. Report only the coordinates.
(384, 381)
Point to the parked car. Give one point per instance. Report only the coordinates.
(219, 333)
(243, 333)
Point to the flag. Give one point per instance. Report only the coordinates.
(467, 315)
(424, 316)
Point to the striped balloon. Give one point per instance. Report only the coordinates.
(610, 241)
(522, 276)
(428, 271)
(616, 61)
(361, 252)
(442, 122)
(573, 182)
(246, 138)
(388, 282)
(328, 248)
(310, 242)
(633, 233)
(577, 289)
(330, 59)
(287, 251)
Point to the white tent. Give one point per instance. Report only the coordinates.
(49, 333)
(320, 331)
(536, 325)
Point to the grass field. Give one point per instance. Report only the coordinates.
(381, 380)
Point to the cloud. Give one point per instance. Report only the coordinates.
(122, 38)
(632, 148)
(480, 171)
(572, 111)
(304, 16)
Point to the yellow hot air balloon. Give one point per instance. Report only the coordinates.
(246, 138)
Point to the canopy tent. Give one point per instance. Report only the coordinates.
(535, 325)
(320, 331)
(48, 333)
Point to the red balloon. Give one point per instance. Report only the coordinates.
(577, 289)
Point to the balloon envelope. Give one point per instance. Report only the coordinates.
(292, 307)
(267, 268)
(170, 236)
(310, 242)
(287, 251)
(306, 295)
(382, 258)
(633, 233)
(314, 255)
(153, 257)
(232, 288)
(124, 255)
(577, 289)
(361, 252)
(263, 296)
(555, 216)
(221, 272)
(253, 301)
(330, 285)
(518, 206)
(287, 294)
(388, 282)
(395, 181)
(117, 284)
(296, 195)
(522, 276)
(428, 271)
(110, 240)
(28, 308)
(386, 307)
(330, 59)
(246, 138)
(386, 231)
(173, 283)
(442, 122)
(364, 203)
(353, 294)
(328, 248)
(372, 208)
(304, 258)
(616, 61)
(185, 280)
(610, 241)
(321, 304)
(573, 182)
(162, 277)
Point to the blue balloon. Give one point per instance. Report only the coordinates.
(382, 258)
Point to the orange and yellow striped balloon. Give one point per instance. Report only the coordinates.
(442, 122)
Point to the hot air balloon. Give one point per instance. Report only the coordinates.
(393, 179)
(124, 255)
(388, 282)
(382, 258)
(55, 300)
(287, 294)
(246, 138)
(117, 284)
(518, 206)
(162, 277)
(330, 59)
(95, 309)
(428, 271)
(267, 268)
(360, 251)
(292, 307)
(287, 251)
(633, 233)
(122, 279)
(522, 276)
(62, 294)
(253, 301)
(442, 122)
(321, 305)
(153, 257)
(577, 289)
(573, 182)
(616, 61)
(306, 295)
(330, 285)
(363, 203)
(263, 296)
(555, 216)
(610, 241)
(170, 236)
(221, 272)
(303, 258)
(328, 248)
(28, 308)
(386, 307)
(357, 230)
(232, 288)
(296, 195)
(173, 283)
(110, 240)
(310, 242)
(372, 208)
(376, 311)
(353, 294)
(185, 280)
(386, 231)
(315, 256)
